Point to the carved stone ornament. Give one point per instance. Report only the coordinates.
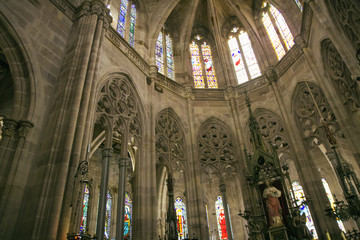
(308, 117)
(271, 75)
(170, 143)
(347, 14)
(340, 75)
(216, 149)
(300, 41)
(9, 127)
(24, 128)
(272, 129)
(117, 109)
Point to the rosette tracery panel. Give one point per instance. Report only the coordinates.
(340, 75)
(117, 108)
(308, 117)
(216, 149)
(170, 142)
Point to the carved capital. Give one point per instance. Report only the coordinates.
(97, 7)
(24, 128)
(153, 70)
(123, 162)
(271, 75)
(230, 92)
(107, 152)
(300, 41)
(189, 92)
(9, 127)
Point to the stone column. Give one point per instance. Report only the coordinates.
(123, 163)
(106, 156)
(171, 214)
(226, 210)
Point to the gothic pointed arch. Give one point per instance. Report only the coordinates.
(217, 152)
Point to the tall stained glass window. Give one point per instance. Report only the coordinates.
(132, 25)
(202, 64)
(128, 217)
(165, 63)
(180, 209)
(85, 207)
(277, 29)
(243, 56)
(304, 209)
(169, 57)
(220, 215)
(196, 66)
(127, 21)
(331, 200)
(108, 215)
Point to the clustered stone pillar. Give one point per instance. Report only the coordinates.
(226, 210)
(171, 214)
(106, 156)
(123, 163)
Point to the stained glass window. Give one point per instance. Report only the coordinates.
(209, 66)
(132, 25)
(298, 3)
(128, 217)
(220, 215)
(122, 17)
(249, 55)
(331, 200)
(159, 54)
(283, 27)
(85, 207)
(196, 65)
(169, 57)
(180, 209)
(304, 209)
(237, 60)
(108, 215)
(274, 38)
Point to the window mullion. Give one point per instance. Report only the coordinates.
(243, 58)
(203, 65)
(273, 21)
(165, 54)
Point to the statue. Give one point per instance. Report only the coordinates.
(273, 207)
(299, 226)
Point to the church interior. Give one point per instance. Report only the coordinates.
(180, 119)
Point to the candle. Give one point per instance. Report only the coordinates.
(328, 236)
(343, 236)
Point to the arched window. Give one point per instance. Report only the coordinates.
(165, 62)
(128, 217)
(202, 64)
(85, 207)
(242, 53)
(277, 29)
(108, 215)
(304, 209)
(127, 21)
(331, 200)
(220, 215)
(180, 209)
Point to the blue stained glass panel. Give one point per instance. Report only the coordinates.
(122, 17)
(132, 25)
(159, 55)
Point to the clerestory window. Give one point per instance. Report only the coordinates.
(277, 29)
(164, 55)
(202, 64)
(127, 21)
(243, 56)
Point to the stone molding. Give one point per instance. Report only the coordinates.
(209, 94)
(129, 51)
(306, 22)
(107, 152)
(288, 60)
(66, 7)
